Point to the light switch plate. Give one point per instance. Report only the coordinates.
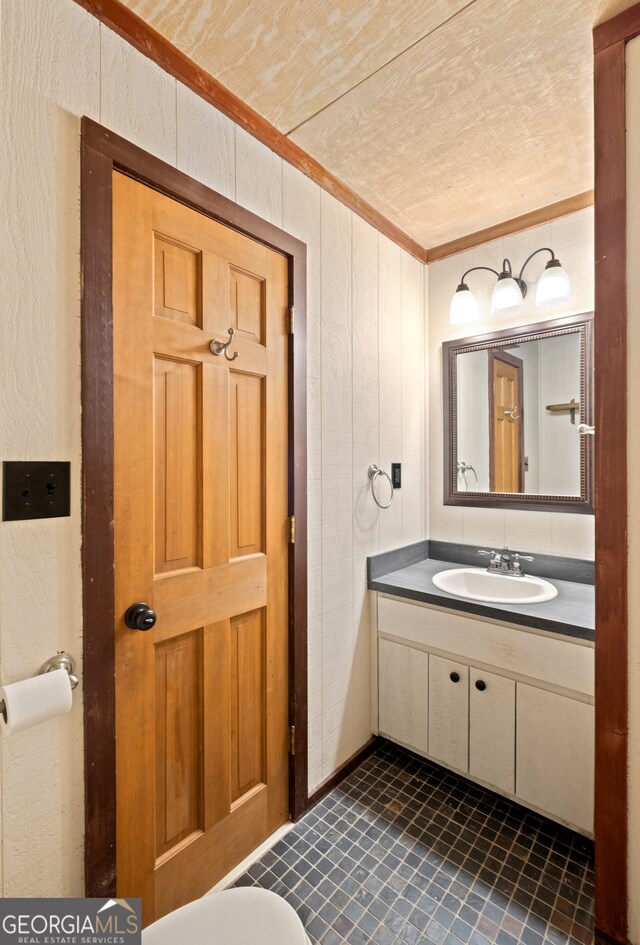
(35, 490)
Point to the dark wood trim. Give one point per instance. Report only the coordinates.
(600, 938)
(143, 37)
(582, 504)
(97, 526)
(611, 691)
(495, 354)
(102, 153)
(345, 770)
(516, 225)
(619, 29)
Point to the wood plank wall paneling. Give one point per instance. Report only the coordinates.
(611, 488)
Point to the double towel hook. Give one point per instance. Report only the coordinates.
(220, 347)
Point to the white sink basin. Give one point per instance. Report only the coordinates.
(478, 584)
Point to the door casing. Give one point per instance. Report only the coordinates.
(102, 152)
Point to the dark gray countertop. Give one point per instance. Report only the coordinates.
(571, 613)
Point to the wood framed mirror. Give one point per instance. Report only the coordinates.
(516, 405)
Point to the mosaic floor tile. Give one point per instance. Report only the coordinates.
(406, 852)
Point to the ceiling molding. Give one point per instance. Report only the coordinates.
(620, 29)
(127, 24)
(525, 222)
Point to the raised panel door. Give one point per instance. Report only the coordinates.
(201, 536)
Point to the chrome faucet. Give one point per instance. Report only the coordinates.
(497, 560)
(502, 563)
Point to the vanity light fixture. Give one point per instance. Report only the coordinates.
(508, 296)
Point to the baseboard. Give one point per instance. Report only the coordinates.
(601, 938)
(344, 771)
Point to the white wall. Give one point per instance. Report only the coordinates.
(366, 395)
(633, 400)
(571, 238)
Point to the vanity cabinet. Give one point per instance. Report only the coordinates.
(504, 706)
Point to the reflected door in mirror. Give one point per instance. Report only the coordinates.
(506, 458)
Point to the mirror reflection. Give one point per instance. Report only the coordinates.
(515, 401)
(518, 410)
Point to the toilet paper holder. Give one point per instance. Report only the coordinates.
(59, 661)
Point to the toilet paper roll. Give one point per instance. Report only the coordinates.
(35, 700)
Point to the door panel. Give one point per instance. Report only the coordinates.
(179, 770)
(555, 755)
(449, 712)
(492, 729)
(246, 305)
(248, 699)
(178, 498)
(403, 694)
(201, 535)
(247, 455)
(177, 282)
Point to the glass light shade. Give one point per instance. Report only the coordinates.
(464, 307)
(554, 285)
(506, 297)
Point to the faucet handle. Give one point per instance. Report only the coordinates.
(497, 561)
(516, 566)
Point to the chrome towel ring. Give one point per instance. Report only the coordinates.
(374, 473)
(463, 469)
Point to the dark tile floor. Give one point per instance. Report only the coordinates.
(403, 851)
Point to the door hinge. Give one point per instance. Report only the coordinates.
(292, 739)
(291, 319)
(292, 529)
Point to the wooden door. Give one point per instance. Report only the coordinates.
(506, 439)
(449, 712)
(201, 533)
(492, 729)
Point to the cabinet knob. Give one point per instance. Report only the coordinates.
(481, 685)
(454, 677)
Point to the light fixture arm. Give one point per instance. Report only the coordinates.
(474, 269)
(543, 249)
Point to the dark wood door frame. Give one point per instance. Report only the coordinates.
(495, 354)
(102, 153)
(611, 794)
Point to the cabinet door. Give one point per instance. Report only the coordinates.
(449, 713)
(555, 755)
(403, 694)
(492, 729)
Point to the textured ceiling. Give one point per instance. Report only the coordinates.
(448, 116)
